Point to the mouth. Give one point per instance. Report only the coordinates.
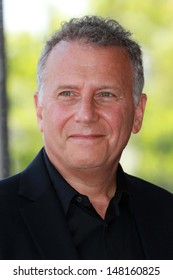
(86, 136)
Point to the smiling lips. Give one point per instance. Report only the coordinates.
(86, 136)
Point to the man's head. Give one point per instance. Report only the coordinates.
(87, 79)
(98, 32)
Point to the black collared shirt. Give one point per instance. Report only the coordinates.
(115, 237)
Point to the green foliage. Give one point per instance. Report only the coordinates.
(150, 154)
(24, 139)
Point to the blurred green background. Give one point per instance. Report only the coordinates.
(150, 153)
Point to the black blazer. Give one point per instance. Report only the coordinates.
(33, 225)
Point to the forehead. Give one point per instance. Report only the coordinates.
(82, 65)
(76, 62)
(79, 63)
(78, 50)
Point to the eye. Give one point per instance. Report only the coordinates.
(66, 93)
(106, 94)
(106, 97)
(68, 97)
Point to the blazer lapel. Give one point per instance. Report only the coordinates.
(43, 214)
(148, 215)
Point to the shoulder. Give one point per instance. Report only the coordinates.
(147, 187)
(141, 188)
(10, 184)
(149, 194)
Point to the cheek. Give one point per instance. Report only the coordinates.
(54, 119)
(118, 117)
(120, 121)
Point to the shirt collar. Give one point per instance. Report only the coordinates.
(66, 192)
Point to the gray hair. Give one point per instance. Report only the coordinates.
(95, 31)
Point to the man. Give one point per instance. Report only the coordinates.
(74, 201)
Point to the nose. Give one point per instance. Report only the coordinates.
(86, 111)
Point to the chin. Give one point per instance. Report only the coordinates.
(81, 164)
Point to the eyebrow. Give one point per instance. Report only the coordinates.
(67, 86)
(71, 86)
(107, 87)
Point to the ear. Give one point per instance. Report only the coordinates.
(139, 113)
(39, 109)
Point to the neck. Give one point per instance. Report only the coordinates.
(98, 184)
(99, 192)
(92, 182)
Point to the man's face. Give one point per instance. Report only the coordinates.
(87, 112)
